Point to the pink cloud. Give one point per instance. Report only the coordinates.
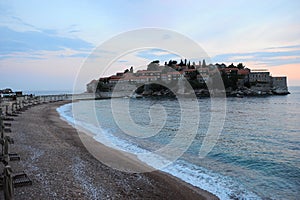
(292, 71)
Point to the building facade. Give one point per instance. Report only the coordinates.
(262, 77)
(279, 82)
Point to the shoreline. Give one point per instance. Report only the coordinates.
(59, 165)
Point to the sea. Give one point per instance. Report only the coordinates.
(255, 156)
(47, 92)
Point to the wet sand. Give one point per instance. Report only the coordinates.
(54, 157)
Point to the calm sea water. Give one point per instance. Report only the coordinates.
(257, 155)
(47, 92)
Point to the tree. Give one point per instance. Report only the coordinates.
(181, 63)
(225, 79)
(193, 75)
(172, 63)
(195, 84)
(240, 66)
(101, 87)
(153, 66)
(233, 79)
(203, 63)
(220, 66)
(231, 66)
(155, 61)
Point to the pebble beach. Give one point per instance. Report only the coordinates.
(60, 167)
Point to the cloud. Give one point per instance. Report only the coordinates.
(244, 57)
(157, 54)
(160, 53)
(291, 57)
(292, 71)
(19, 21)
(283, 48)
(122, 61)
(270, 58)
(79, 55)
(73, 31)
(12, 41)
(51, 72)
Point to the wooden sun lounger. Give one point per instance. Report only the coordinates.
(7, 119)
(11, 115)
(7, 124)
(19, 179)
(12, 157)
(7, 130)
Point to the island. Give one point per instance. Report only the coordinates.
(163, 80)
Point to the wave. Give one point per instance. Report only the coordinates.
(217, 184)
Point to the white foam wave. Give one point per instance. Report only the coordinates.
(223, 187)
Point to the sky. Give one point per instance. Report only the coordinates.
(44, 44)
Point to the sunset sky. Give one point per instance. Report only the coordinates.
(43, 44)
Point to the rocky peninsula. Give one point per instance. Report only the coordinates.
(186, 78)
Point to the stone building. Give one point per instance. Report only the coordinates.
(279, 85)
(262, 77)
(92, 86)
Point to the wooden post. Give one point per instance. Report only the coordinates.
(5, 150)
(1, 126)
(6, 141)
(1, 131)
(8, 187)
(16, 106)
(2, 135)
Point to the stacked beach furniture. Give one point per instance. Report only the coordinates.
(8, 178)
(9, 109)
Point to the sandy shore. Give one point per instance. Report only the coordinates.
(60, 167)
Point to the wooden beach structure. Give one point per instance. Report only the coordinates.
(10, 108)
